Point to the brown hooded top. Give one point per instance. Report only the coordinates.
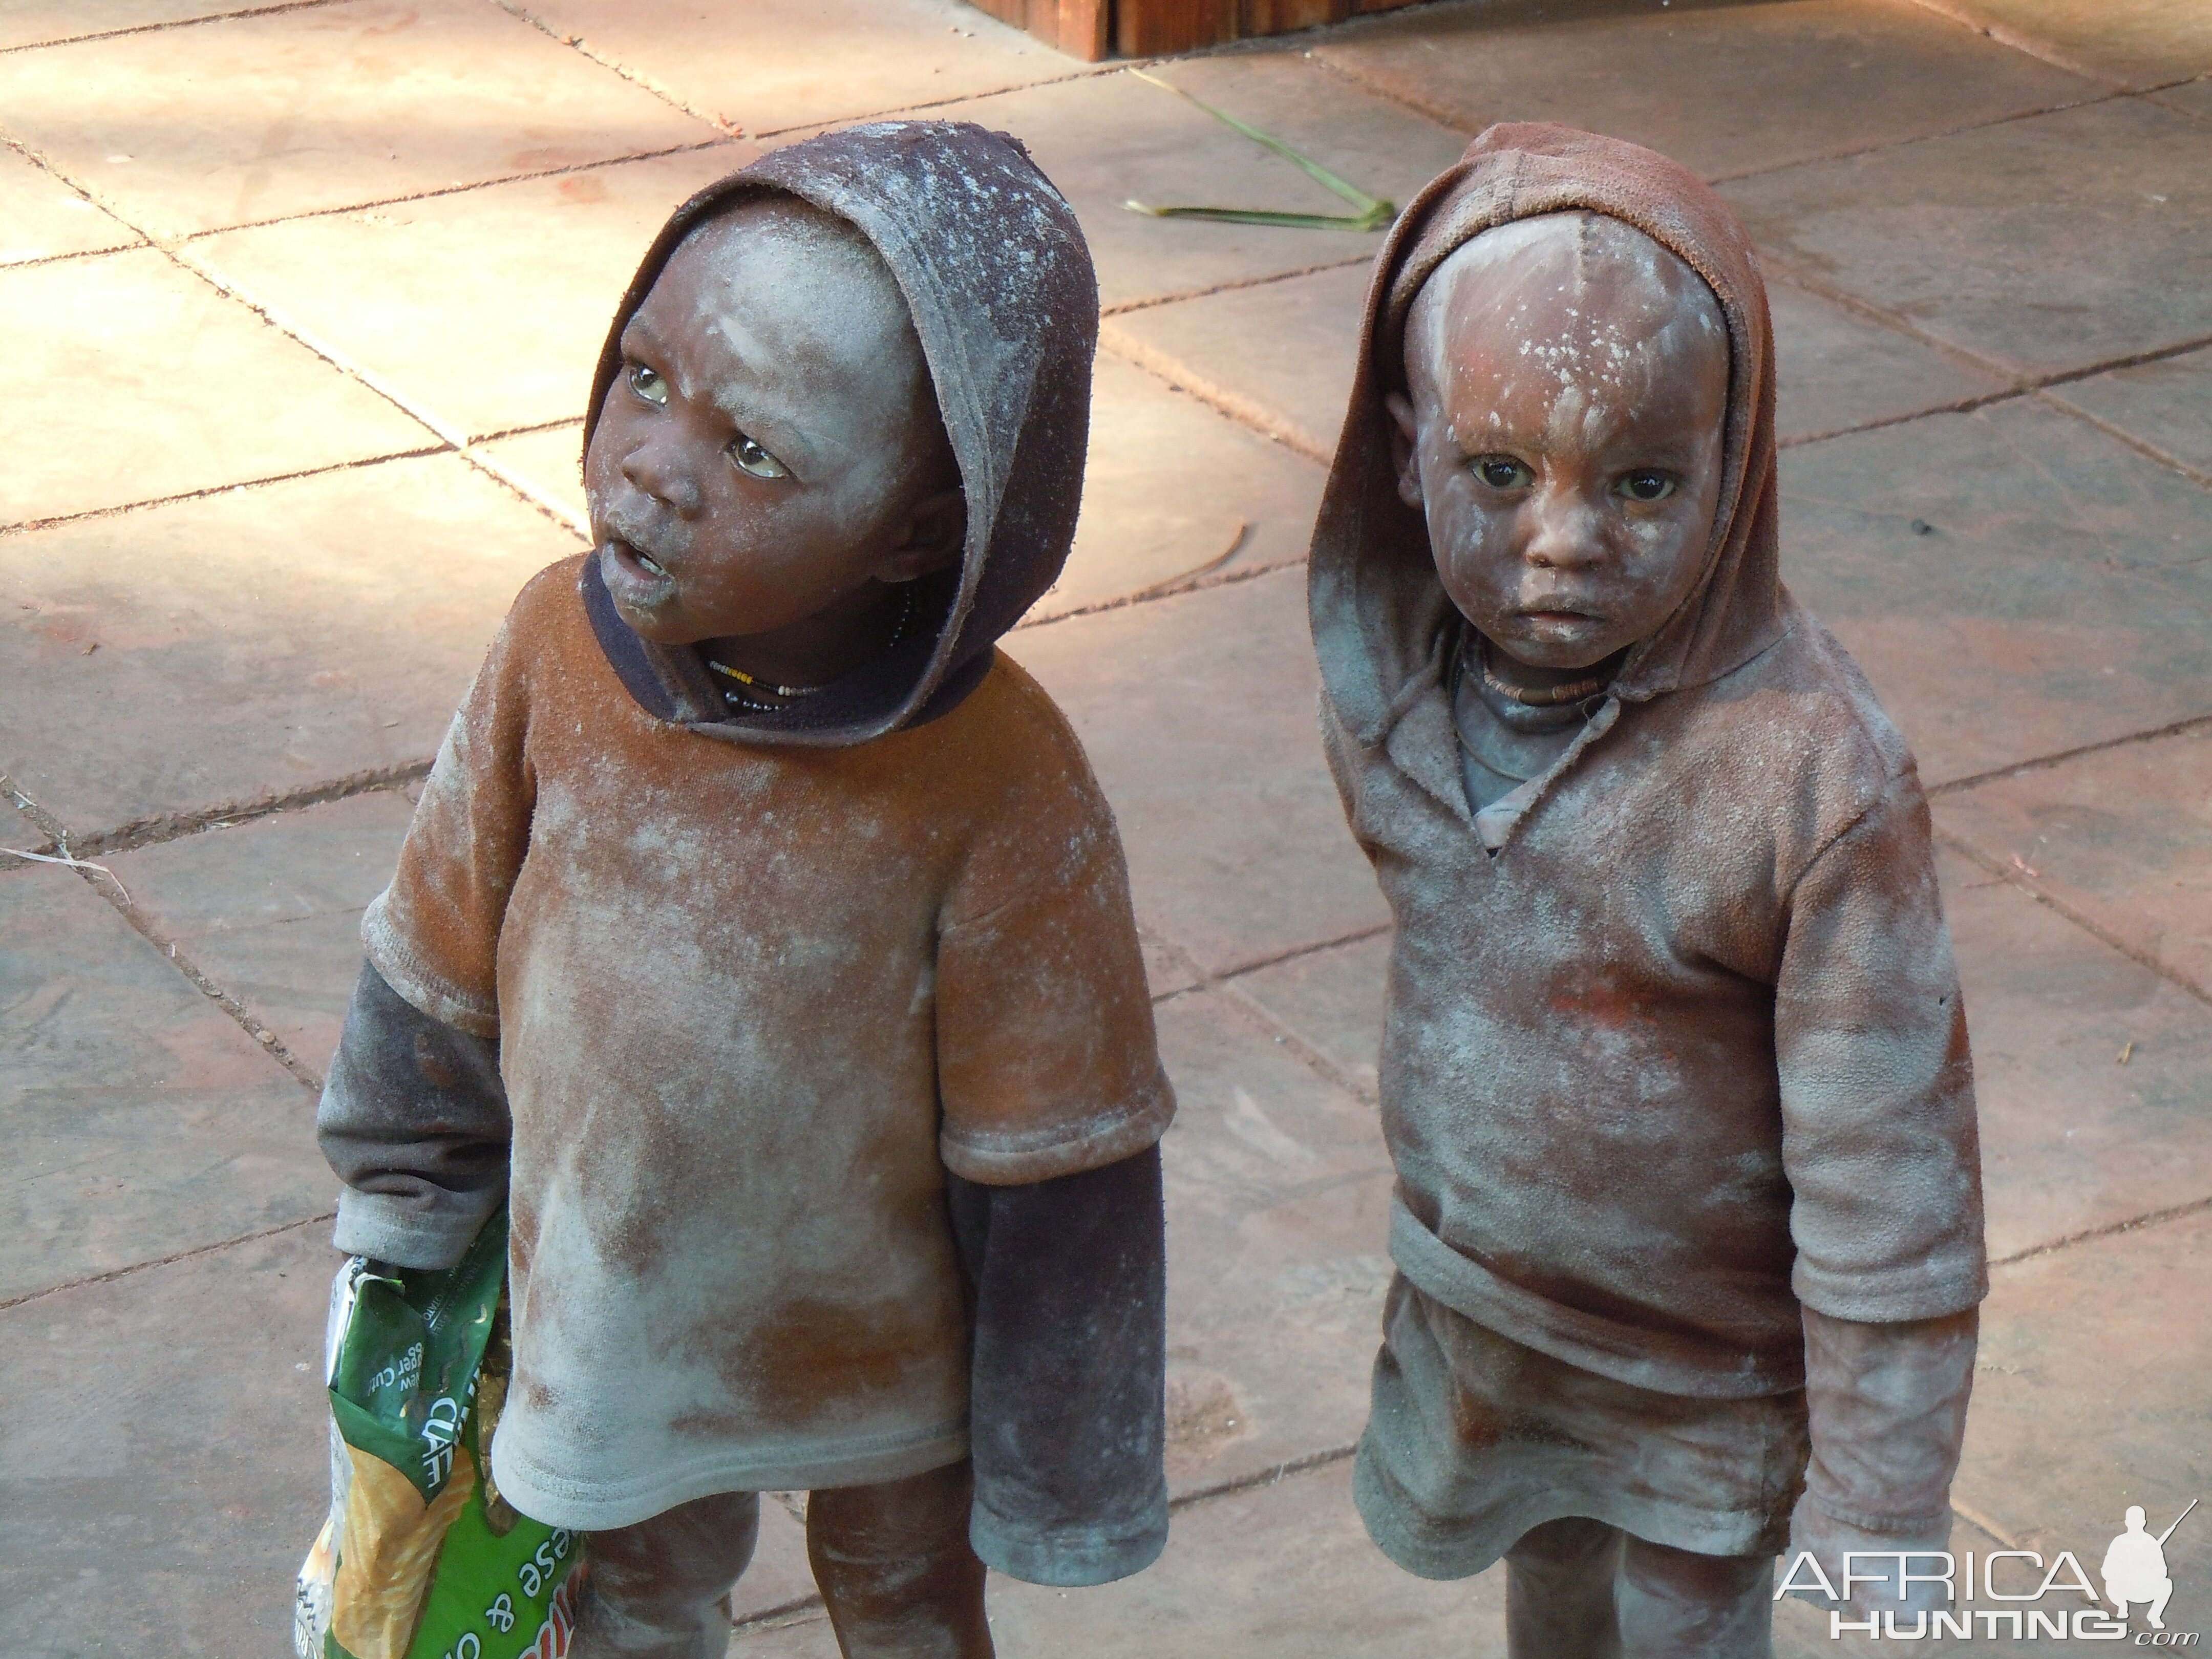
(998, 282)
(1673, 1036)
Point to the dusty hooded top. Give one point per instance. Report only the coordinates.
(763, 991)
(1674, 1036)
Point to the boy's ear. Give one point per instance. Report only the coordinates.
(937, 535)
(1405, 446)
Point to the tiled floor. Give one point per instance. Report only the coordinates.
(298, 310)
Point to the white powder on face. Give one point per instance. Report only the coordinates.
(825, 350)
(1583, 311)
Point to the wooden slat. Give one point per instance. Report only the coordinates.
(1084, 26)
(1281, 16)
(1150, 28)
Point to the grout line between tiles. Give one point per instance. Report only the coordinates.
(1248, 413)
(25, 527)
(1175, 590)
(170, 25)
(2027, 45)
(2044, 762)
(1259, 1015)
(110, 1277)
(638, 78)
(176, 253)
(2111, 1230)
(1146, 302)
(2013, 877)
(267, 1040)
(1847, 152)
(2143, 446)
(1968, 1513)
(175, 826)
(432, 194)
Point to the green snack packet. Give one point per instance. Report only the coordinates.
(421, 1558)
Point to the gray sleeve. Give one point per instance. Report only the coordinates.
(1879, 1138)
(1068, 1371)
(414, 1119)
(1887, 1408)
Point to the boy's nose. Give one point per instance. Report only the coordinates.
(662, 478)
(1564, 532)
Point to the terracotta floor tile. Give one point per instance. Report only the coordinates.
(1707, 85)
(1331, 998)
(2142, 43)
(41, 218)
(1173, 489)
(196, 391)
(2091, 1395)
(487, 307)
(1198, 713)
(142, 1120)
(1835, 370)
(34, 22)
(2057, 242)
(2167, 404)
(2195, 99)
(257, 641)
(2071, 1140)
(2121, 835)
(784, 63)
(269, 910)
(1282, 1571)
(164, 1462)
(546, 465)
(1282, 356)
(1277, 1191)
(1108, 139)
(296, 111)
(2046, 607)
(1281, 353)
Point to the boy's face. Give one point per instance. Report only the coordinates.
(1568, 380)
(771, 450)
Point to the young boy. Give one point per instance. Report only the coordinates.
(785, 923)
(1674, 1074)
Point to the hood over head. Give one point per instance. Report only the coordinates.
(998, 282)
(1380, 614)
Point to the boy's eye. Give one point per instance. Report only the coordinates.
(752, 458)
(1503, 473)
(647, 383)
(1644, 485)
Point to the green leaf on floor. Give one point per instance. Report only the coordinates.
(1374, 213)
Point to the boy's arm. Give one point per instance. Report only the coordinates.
(1881, 1148)
(1069, 1365)
(1887, 1405)
(414, 1120)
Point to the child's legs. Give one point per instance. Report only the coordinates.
(1559, 1591)
(1577, 1589)
(896, 1570)
(660, 1589)
(1677, 1604)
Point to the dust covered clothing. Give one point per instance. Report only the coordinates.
(1673, 1058)
(816, 1042)
(752, 1002)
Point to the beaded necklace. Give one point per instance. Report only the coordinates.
(1549, 696)
(793, 694)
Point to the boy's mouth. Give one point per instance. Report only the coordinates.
(635, 579)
